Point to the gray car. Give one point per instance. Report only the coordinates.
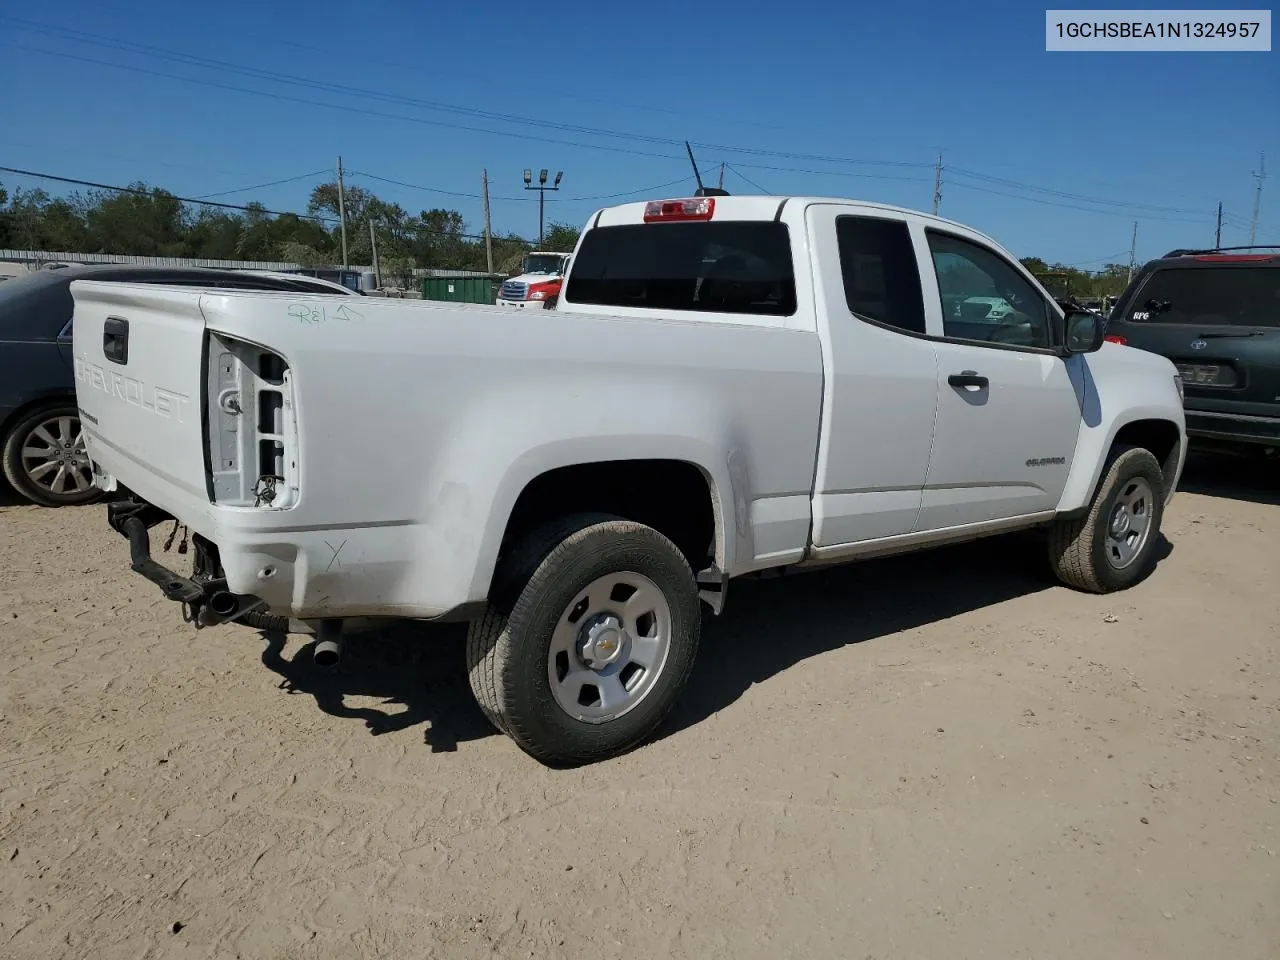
(41, 448)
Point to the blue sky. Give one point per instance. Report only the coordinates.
(1156, 137)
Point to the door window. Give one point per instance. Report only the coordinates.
(881, 278)
(984, 298)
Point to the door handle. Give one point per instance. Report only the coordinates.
(968, 378)
(115, 340)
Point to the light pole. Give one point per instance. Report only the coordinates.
(542, 189)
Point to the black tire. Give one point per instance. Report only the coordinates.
(508, 648)
(23, 434)
(1078, 546)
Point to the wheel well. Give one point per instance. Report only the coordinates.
(1161, 437)
(16, 414)
(671, 496)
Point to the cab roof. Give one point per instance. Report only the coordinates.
(750, 207)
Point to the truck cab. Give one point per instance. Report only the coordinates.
(537, 286)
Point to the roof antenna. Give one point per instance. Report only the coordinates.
(703, 191)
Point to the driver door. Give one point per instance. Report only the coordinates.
(1008, 408)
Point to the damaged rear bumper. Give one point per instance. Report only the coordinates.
(204, 595)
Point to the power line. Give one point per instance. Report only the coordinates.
(416, 66)
(743, 176)
(477, 196)
(1072, 206)
(1109, 258)
(263, 186)
(139, 191)
(111, 43)
(1066, 195)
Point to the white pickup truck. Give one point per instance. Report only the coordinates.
(729, 385)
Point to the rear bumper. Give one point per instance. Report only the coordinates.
(1233, 428)
(371, 571)
(522, 304)
(204, 595)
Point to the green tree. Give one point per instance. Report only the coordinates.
(560, 237)
(149, 222)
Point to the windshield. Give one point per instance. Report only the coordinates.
(543, 264)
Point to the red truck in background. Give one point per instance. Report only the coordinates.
(538, 284)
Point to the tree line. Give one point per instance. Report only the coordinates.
(152, 222)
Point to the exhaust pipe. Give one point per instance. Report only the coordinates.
(328, 650)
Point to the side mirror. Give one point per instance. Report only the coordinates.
(1084, 332)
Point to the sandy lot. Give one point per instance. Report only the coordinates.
(935, 756)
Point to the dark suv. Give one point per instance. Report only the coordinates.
(41, 449)
(1216, 315)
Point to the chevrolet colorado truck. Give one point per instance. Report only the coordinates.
(729, 385)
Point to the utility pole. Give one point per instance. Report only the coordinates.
(937, 185)
(1217, 236)
(488, 232)
(342, 214)
(373, 244)
(1133, 250)
(542, 189)
(1259, 175)
(721, 184)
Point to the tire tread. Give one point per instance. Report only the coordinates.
(1071, 539)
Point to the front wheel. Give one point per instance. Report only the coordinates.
(1113, 545)
(597, 646)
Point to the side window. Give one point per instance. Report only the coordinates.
(984, 298)
(881, 277)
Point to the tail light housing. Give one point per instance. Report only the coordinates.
(1116, 338)
(252, 440)
(692, 208)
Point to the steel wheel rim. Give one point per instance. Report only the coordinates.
(1129, 525)
(609, 647)
(54, 457)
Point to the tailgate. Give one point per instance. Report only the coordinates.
(139, 359)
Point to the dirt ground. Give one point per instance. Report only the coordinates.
(934, 756)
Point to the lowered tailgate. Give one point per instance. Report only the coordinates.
(139, 360)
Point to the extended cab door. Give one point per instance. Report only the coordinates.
(1009, 406)
(881, 387)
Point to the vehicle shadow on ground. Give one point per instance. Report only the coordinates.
(769, 625)
(1252, 479)
(419, 667)
(418, 670)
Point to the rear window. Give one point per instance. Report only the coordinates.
(727, 267)
(1206, 297)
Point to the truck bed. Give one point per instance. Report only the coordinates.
(336, 448)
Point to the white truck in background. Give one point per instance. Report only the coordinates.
(728, 385)
(538, 284)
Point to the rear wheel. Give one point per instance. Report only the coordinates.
(1113, 545)
(45, 458)
(596, 647)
